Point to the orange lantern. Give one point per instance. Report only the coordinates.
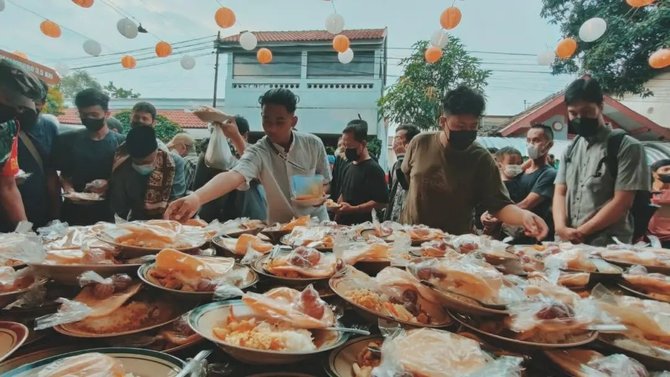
(50, 29)
(341, 43)
(163, 49)
(83, 3)
(639, 3)
(128, 61)
(264, 56)
(566, 48)
(450, 18)
(433, 54)
(225, 17)
(660, 59)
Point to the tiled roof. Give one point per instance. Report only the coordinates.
(181, 117)
(309, 36)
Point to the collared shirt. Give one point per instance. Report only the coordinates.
(261, 162)
(191, 163)
(397, 193)
(590, 186)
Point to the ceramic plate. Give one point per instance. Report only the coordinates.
(639, 293)
(626, 265)
(69, 274)
(571, 361)
(129, 251)
(12, 336)
(645, 355)
(341, 360)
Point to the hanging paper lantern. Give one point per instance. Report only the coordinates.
(439, 38)
(566, 48)
(128, 61)
(187, 62)
(450, 18)
(341, 43)
(546, 58)
(50, 29)
(163, 49)
(92, 47)
(2, 5)
(639, 3)
(20, 54)
(433, 54)
(62, 69)
(592, 29)
(264, 56)
(127, 28)
(224, 17)
(83, 3)
(346, 57)
(248, 41)
(660, 59)
(335, 23)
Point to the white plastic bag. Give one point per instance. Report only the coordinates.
(218, 154)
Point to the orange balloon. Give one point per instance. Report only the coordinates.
(264, 56)
(128, 61)
(21, 54)
(660, 59)
(225, 17)
(639, 3)
(450, 18)
(50, 29)
(566, 48)
(83, 3)
(433, 54)
(163, 49)
(341, 43)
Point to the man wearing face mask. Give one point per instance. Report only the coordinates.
(659, 225)
(593, 198)
(141, 186)
(449, 174)
(363, 183)
(84, 158)
(18, 92)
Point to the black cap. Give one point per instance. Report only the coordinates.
(21, 88)
(141, 142)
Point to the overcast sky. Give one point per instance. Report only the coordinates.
(504, 43)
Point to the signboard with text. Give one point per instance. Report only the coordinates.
(48, 75)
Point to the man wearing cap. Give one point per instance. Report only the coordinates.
(18, 91)
(141, 186)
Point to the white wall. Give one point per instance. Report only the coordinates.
(657, 107)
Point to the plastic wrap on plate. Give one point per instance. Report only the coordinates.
(302, 262)
(92, 277)
(89, 364)
(235, 225)
(32, 298)
(227, 291)
(538, 286)
(354, 252)
(616, 365)
(53, 230)
(437, 353)
(572, 259)
(319, 237)
(177, 270)
(70, 311)
(21, 247)
(156, 234)
(303, 310)
(250, 257)
(653, 284)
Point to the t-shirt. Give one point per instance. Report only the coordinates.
(7, 134)
(540, 182)
(363, 182)
(445, 184)
(339, 169)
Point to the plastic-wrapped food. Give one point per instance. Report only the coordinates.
(363, 251)
(70, 311)
(542, 287)
(573, 259)
(53, 230)
(302, 262)
(157, 234)
(616, 365)
(437, 353)
(654, 284)
(92, 364)
(21, 247)
(303, 310)
(319, 236)
(244, 242)
(642, 256)
(181, 271)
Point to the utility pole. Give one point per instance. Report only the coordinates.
(216, 67)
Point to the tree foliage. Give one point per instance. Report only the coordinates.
(115, 92)
(416, 97)
(165, 128)
(55, 102)
(619, 59)
(77, 81)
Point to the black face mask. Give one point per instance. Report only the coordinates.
(665, 178)
(461, 140)
(351, 154)
(93, 125)
(27, 119)
(7, 113)
(139, 124)
(585, 127)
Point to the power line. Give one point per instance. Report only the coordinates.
(139, 49)
(123, 13)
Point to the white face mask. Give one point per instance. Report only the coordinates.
(512, 171)
(535, 151)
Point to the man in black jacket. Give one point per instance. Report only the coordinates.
(403, 135)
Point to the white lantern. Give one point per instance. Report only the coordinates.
(248, 40)
(92, 47)
(346, 57)
(335, 23)
(592, 29)
(2, 5)
(546, 58)
(187, 62)
(439, 39)
(127, 28)
(62, 69)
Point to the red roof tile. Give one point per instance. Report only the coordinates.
(309, 36)
(183, 118)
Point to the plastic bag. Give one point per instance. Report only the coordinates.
(303, 310)
(70, 311)
(92, 277)
(33, 298)
(227, 291)
(218, 154)
(53, 230)
(23, 247)
(307, 187)
(252, 256)
(88, 364)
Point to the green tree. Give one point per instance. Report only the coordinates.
(55, 103)
(374, 146)
(115, 92)
(165, 128)
(417, 95)
(77, 81)
(619, 59)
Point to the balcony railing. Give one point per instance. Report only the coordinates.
(266, 86)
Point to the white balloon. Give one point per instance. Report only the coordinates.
(546, 58)
(346, 57)
(127, 28)
(62, 69)
(2, 5)
(248, 40)
(335, 23)
(592, 29)
(439, 38)
(92, 47)
(187, 62)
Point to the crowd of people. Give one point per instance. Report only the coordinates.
(444, 179)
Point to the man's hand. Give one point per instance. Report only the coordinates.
(571, 235)
(229, 127)
(488, 220)
(345, 208)
(99, 186)
(183, 209)
(534, 226)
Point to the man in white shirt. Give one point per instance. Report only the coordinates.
(274, 160)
